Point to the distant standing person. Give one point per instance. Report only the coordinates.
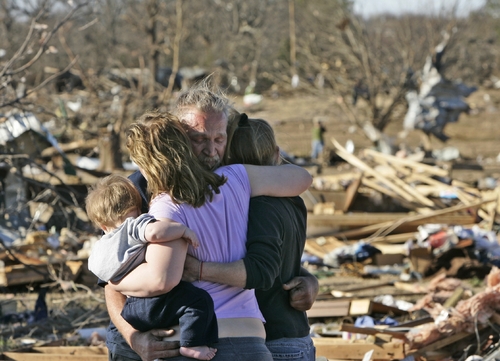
(317, 142)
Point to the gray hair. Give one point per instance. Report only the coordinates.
(203, 96)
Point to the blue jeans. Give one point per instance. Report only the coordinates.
(292, 349)
(317, 148)
(237, 349)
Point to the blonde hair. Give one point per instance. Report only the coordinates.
(111, 199)
(160, 147)
(204, 97)
(251, 141)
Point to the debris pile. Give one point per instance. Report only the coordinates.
(401, 249)
(407, 258)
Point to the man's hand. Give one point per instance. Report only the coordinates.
(191, 269)
(303, 292)
(151, 345)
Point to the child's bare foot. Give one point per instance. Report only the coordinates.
(198, 352)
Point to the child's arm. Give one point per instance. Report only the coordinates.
(278, 181)
(161, 271)
(167, 230)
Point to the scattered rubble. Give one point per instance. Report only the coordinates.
(401, 249)
(404, 249)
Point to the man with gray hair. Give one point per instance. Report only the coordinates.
(205, 112)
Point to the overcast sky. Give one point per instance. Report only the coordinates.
(372, 7)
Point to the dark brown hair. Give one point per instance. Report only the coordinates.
(250, 141)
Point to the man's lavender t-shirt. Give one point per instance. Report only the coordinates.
(221, 226)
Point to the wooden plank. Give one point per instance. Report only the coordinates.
(359, 219)
(413, 323)
(388, 227)
(402, 189)
(416, 166)
(33, 356)
(463, 196)
(384, 190)
(356, 234)
(20, 274)
(72, 350)
(348, 292)
(439, 344)
(68, 147)
(393, 238)
(367, 307)
(333, 308)
(74, 353)
(373, 331)
(321, 246)
(466, 187)
(335, 348)
(396, 184)
(351, 193)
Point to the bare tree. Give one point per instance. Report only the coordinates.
(374, 59)
(293, 50)
(175, 50)
(34, 47)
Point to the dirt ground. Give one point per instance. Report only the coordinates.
(476, 135)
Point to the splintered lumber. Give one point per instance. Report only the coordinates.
(333, 308)
(418, 322)
(416, 166)
(437, 345)
(394, 238)
(494, 211)
(75, 353)
(20, 274)
(321, 246)
(367, 307)
(439, 186)
(372, 331)
(338, 349)
(351, 193)
(358, 219)
(386, 228)
(348, 292)
(396, 185)
(379, 188)
(68, 147)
